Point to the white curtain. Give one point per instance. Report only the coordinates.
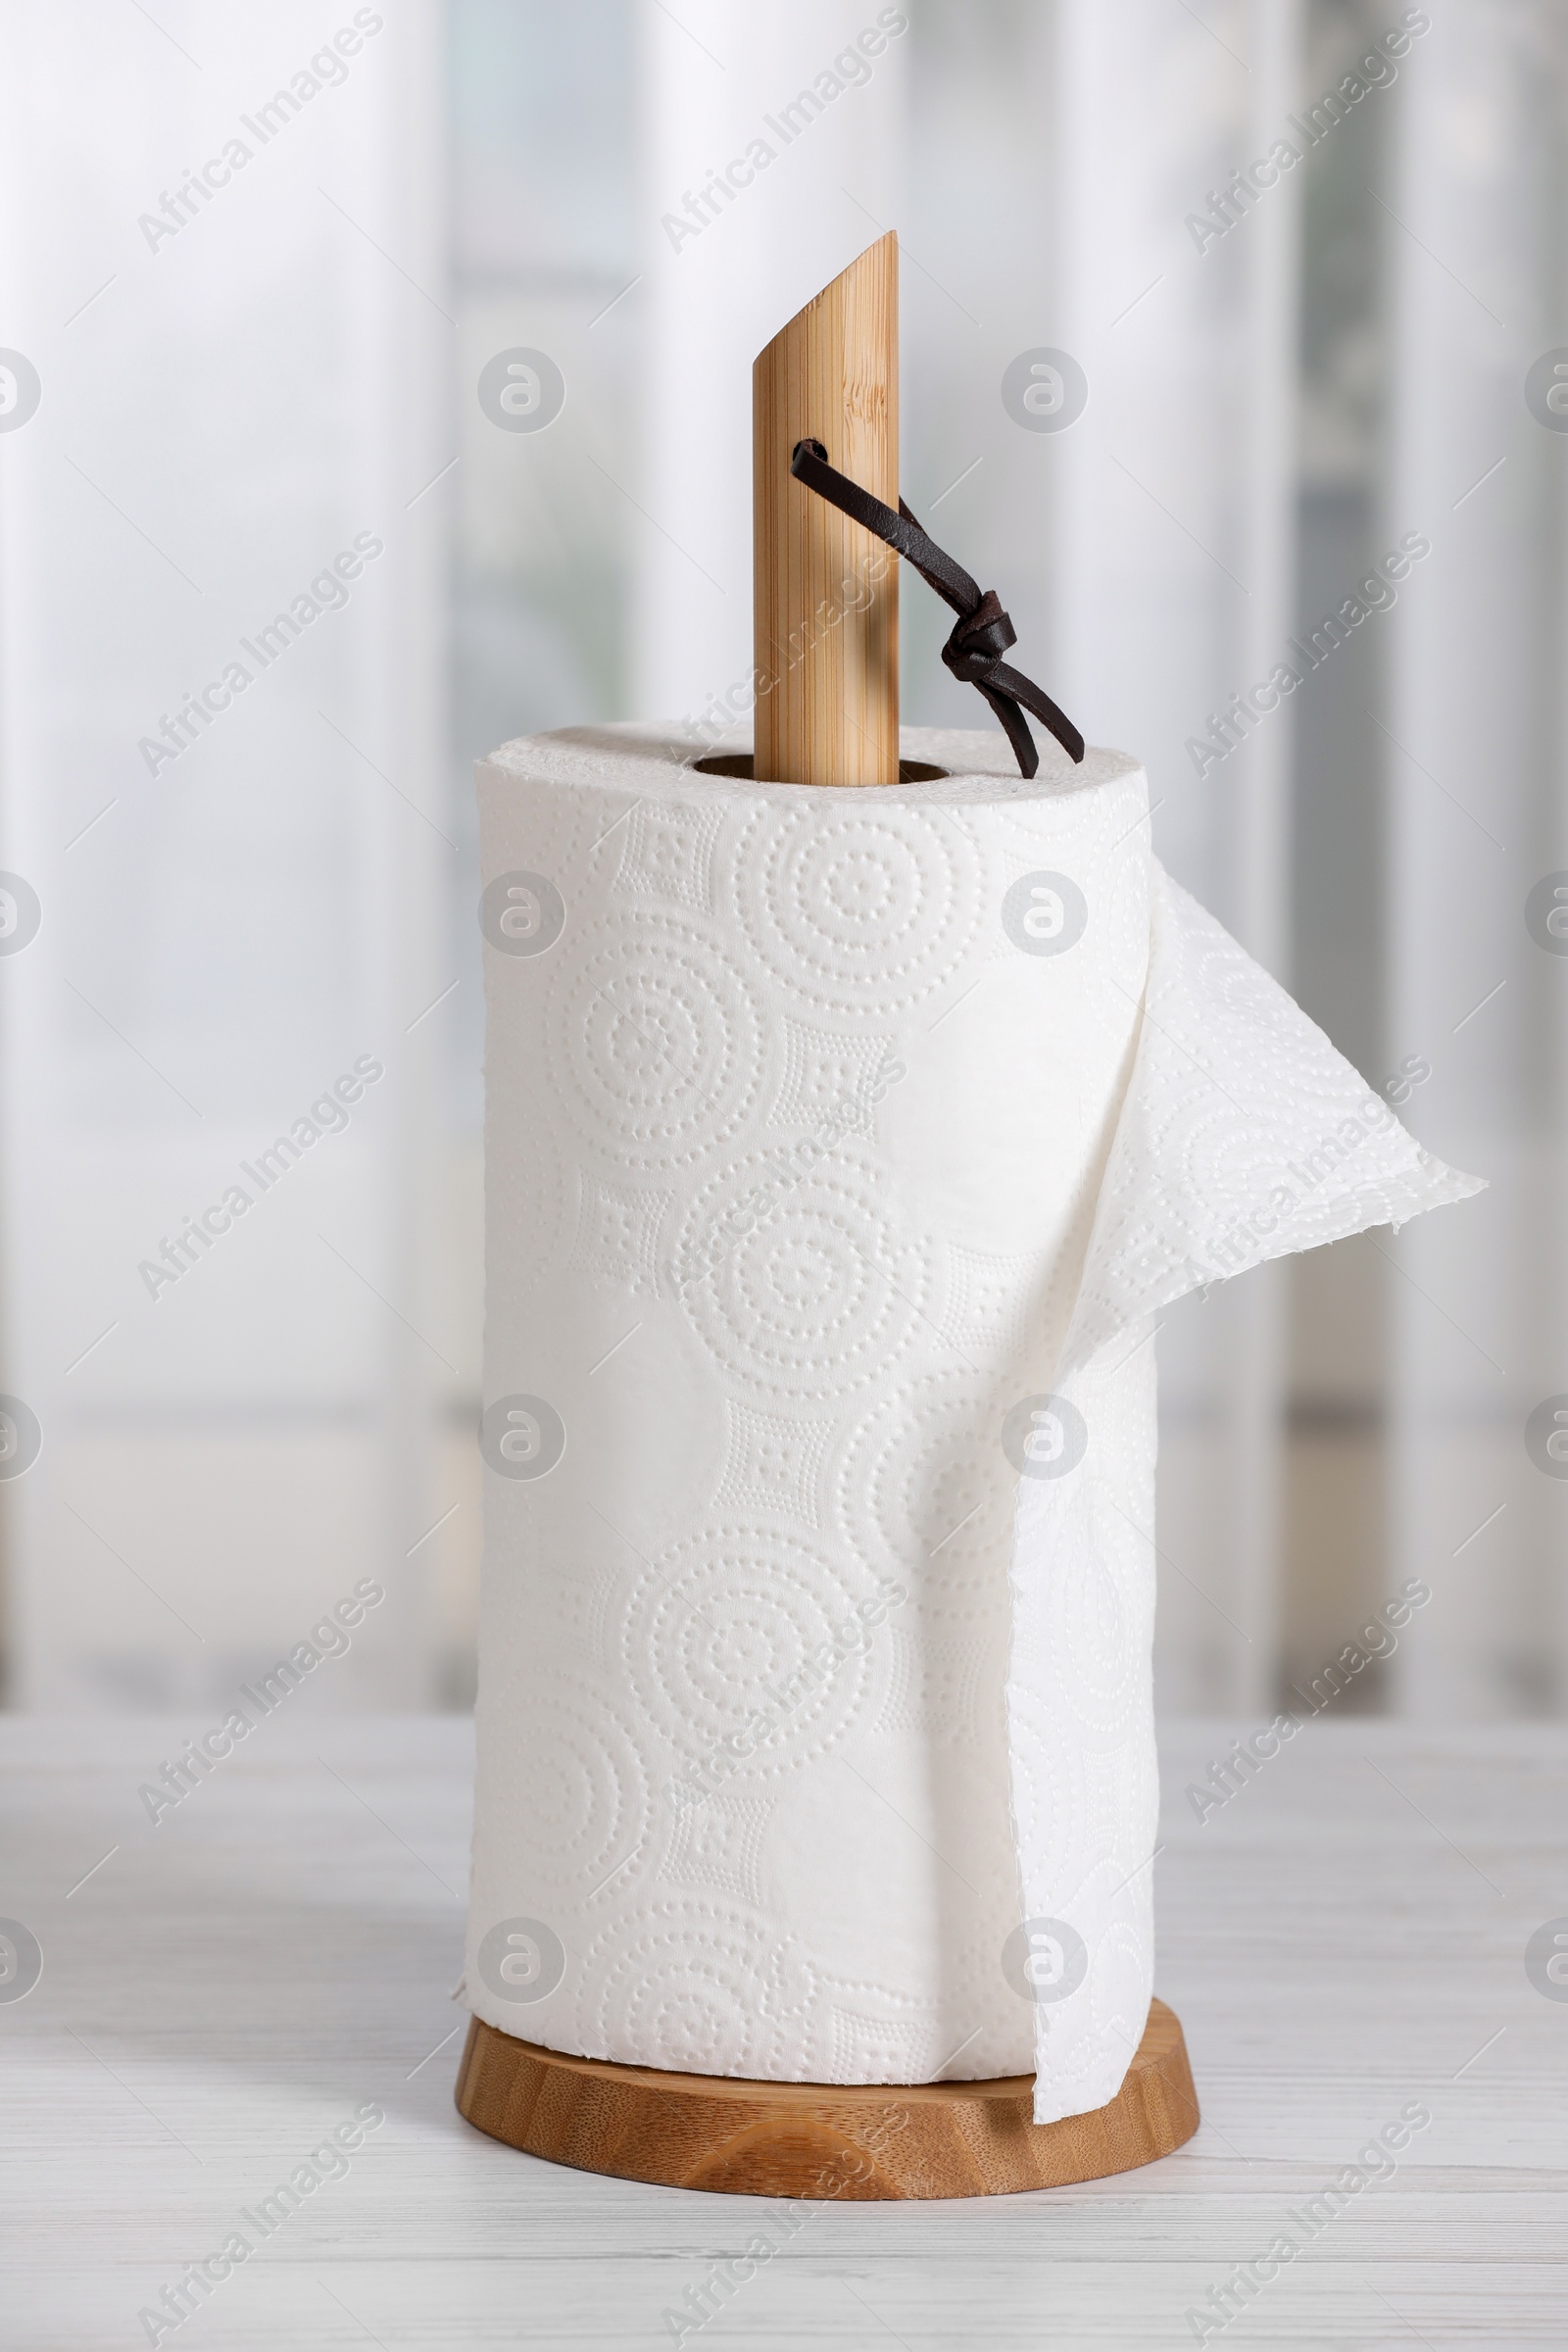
(241, 383)
(1474, 243)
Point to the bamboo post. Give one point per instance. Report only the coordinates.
(825, 629)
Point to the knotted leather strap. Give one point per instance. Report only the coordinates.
(982, 632)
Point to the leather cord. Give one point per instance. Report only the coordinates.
(982, 632)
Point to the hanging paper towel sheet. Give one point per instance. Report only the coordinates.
(841, 1147)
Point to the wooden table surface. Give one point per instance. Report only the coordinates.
(1344, 1938)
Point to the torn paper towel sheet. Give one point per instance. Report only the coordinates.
(842, 1148)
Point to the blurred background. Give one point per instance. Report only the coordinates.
(254, 269)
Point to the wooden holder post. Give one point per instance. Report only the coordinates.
(826, 615)
(827, 650)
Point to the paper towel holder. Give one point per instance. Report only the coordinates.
(830, 717)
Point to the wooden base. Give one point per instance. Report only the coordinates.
(820, 2140)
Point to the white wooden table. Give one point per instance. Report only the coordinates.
(1344, 1938)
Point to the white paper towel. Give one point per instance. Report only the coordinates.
(841, 1148)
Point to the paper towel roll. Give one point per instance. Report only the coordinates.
(841, 1147)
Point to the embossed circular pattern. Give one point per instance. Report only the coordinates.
(694, 1985)
(585, 1791)
(795, 1284)
(921, 1489)
(866, 908)
(655, 1043)
(717, 1630)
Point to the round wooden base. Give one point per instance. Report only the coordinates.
(820, 2140)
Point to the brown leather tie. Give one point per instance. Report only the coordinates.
(982, 632)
